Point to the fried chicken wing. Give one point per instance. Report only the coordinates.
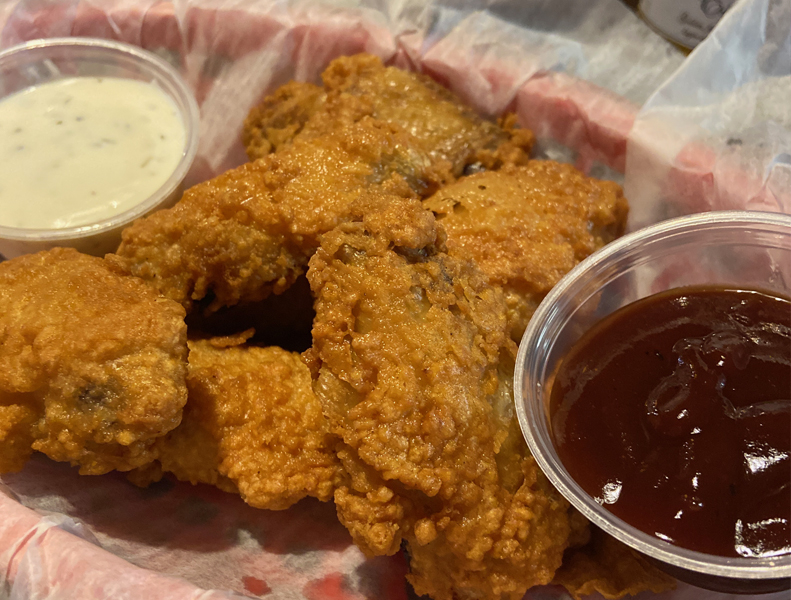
(500, 546)
(250, 232)
(253, 425)
(413, 365)
(413, 356)
(92, 363)
(358, 86)
(528, 226)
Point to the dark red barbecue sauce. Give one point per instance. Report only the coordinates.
(675, 414)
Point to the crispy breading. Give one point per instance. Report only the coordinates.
(527, 226)
(16, 431)
(250, 232)
(608, 567)
(499, 546)
(92, 363)
(357, 86)
(413, 365)
(281, 117)
(252, 425)
(376, 515)
(508, 536)
(409, 354)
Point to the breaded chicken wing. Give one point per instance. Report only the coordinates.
(252, 425)
(92, 363)
(358, 86)
(413, 367)
(528, 226)
(406, 354)
(250, 232)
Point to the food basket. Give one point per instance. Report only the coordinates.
(578, 84)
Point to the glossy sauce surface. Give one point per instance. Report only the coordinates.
(675, 414)
(79, 150)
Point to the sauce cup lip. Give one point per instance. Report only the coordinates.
(187, 105)
(536, 344)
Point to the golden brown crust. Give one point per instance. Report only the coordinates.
(376, 516)
(252, 426)
(99, 358)
(250, 232)
(500, 546)
(280, 117)
(356, 86)
(16, 431)
(527, 226)
(413, 366)
(400, 326)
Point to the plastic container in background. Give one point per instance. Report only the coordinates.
(41, 61)
(685, 23)
(748, 249)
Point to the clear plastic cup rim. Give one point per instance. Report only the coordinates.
(537, 435)
(190, 115)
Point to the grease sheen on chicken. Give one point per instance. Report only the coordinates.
(528, 226)
(439, 124)
(252, 426)
(250, 232)
(413, 366)
(92, 363)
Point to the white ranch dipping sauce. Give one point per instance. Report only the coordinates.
(79, 150)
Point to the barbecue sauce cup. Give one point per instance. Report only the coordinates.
(735, 250)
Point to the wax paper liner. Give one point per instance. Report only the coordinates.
(717, 135)
(234, 53)
(575, 74)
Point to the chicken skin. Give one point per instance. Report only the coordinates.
(92, 363)
(440, 125)
(250, 232)
(527, 226)
(252, 426)
(413, 367)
